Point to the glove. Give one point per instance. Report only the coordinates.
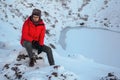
(40, 49)
(35, 43)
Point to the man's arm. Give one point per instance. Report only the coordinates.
(42, 35)
(25, 34)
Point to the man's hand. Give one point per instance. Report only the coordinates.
(35, 43)
(37, 46)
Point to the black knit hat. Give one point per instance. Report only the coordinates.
(36, 12)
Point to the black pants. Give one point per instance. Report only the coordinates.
(29, 47)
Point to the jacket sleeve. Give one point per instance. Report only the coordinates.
(42, 35)
(25, 34)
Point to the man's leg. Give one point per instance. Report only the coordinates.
(28, 47)
(49, 54)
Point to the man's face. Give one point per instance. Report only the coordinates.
(35, 18)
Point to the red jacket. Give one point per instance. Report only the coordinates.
(31, 32)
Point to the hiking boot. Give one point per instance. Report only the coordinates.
(32, 61)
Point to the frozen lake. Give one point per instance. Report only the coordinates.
(102, 46)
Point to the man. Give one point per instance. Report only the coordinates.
(33, 33)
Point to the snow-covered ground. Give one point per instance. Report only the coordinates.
(85, 35)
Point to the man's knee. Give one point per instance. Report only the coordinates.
(27, 44)
(47, 49)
